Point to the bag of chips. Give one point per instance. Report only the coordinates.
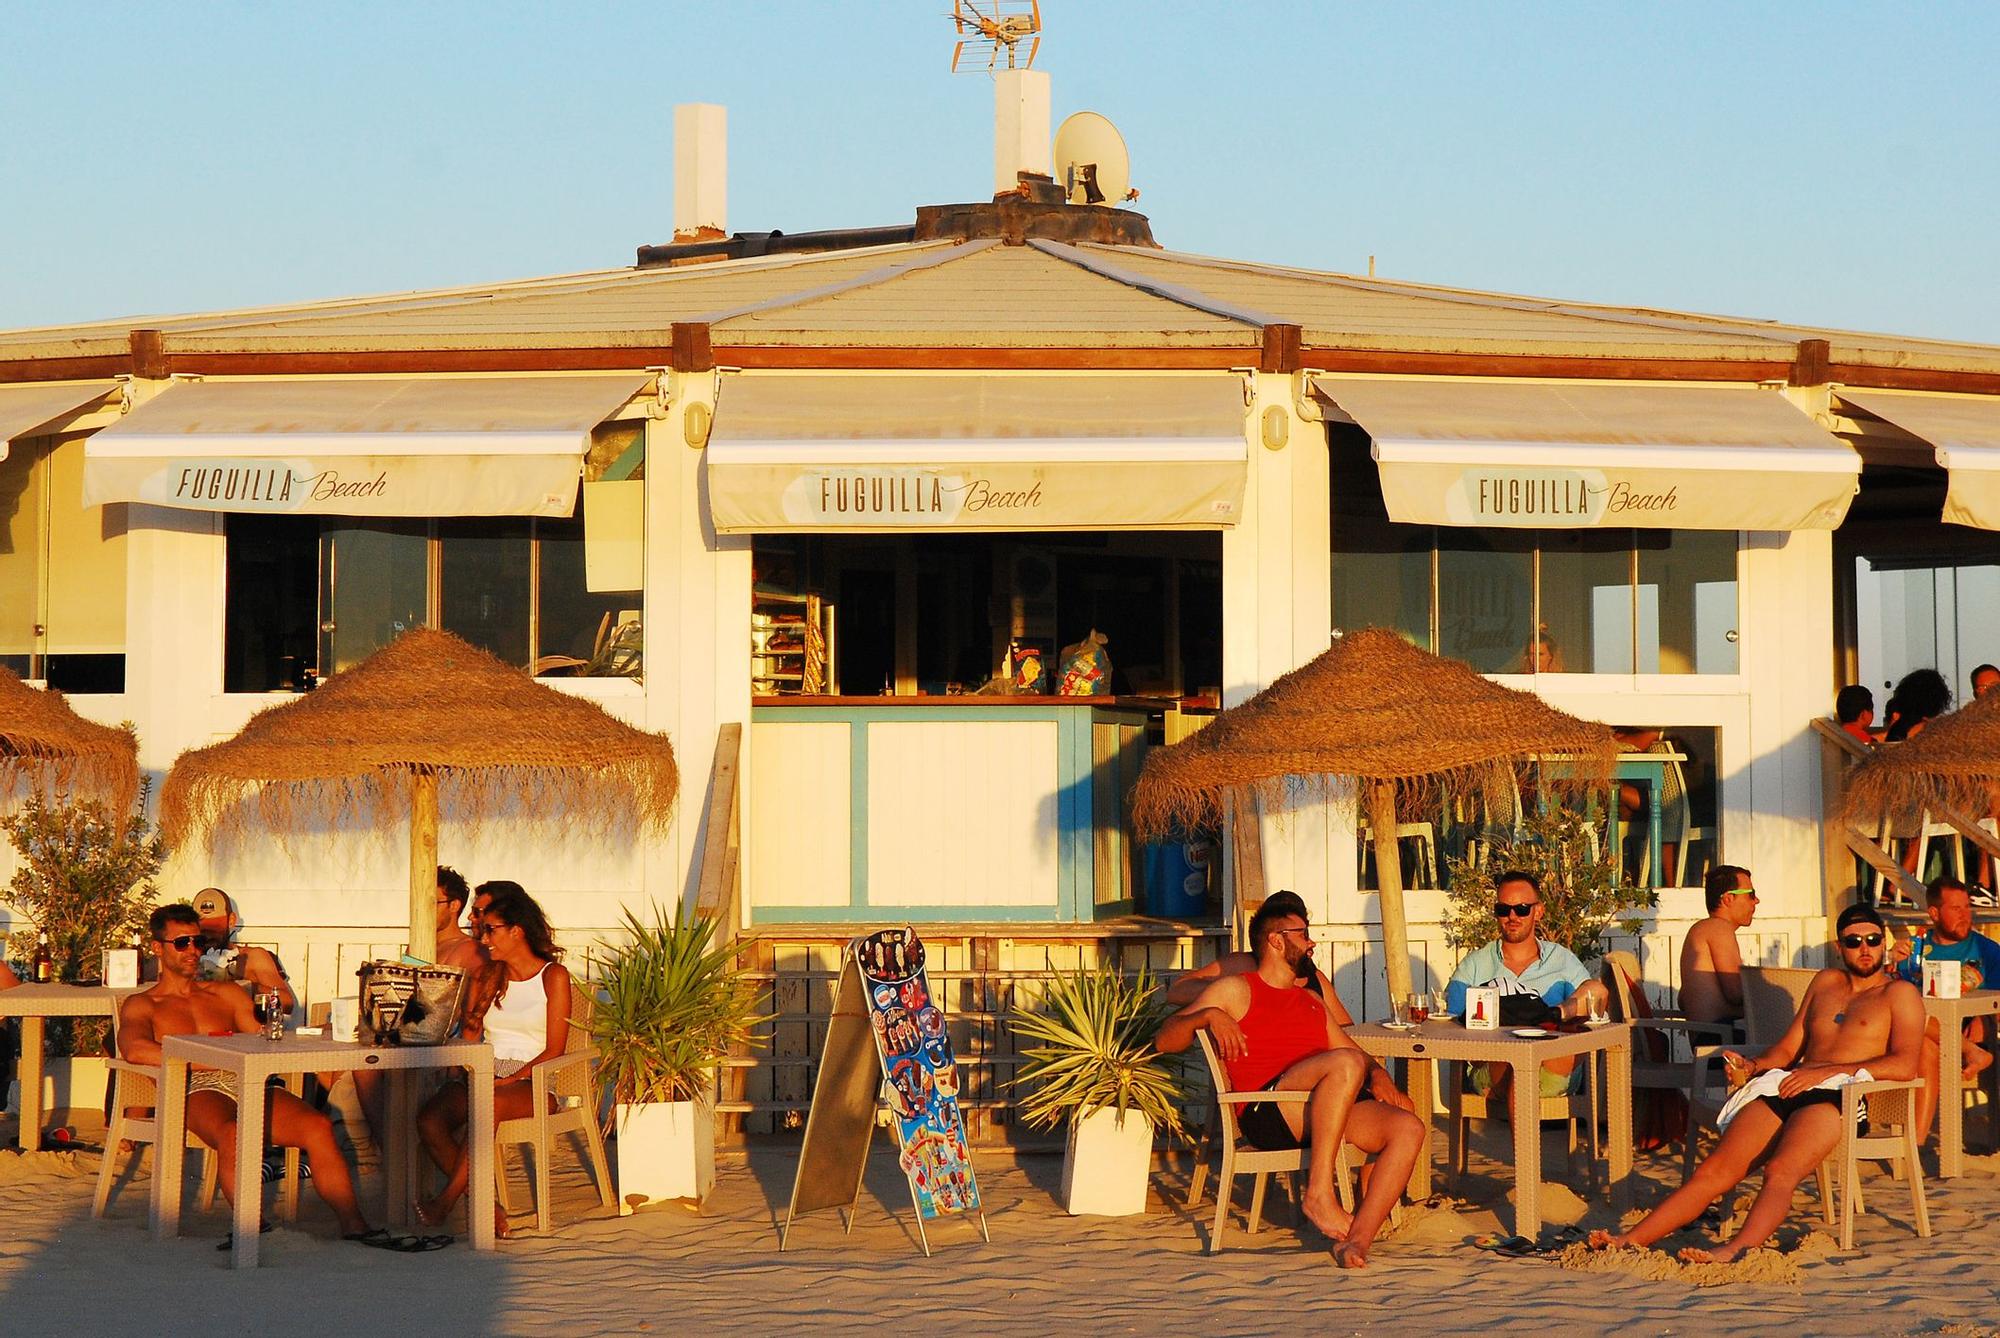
(1085, 667)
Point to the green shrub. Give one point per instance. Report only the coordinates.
(1583, 893)
(670, 1003)
(1090, 1047)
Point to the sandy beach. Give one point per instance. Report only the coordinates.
(671, 1268)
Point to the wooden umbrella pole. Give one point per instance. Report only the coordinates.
(1389, 882)
(1247, 840)
(423, 864)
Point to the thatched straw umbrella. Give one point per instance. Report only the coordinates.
(1952, 765)
(44, 742)
(426, 714)
(1407, 725)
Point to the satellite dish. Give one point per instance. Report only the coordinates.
(1091, 161)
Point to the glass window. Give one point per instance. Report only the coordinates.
(1485, 601)
(486, 584)
(1687, 602)
(62, 571)
(270, 639)
(375, 586)
(1586, 600)
(1382, 577)
(581, 625)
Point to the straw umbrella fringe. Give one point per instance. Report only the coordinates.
(427, 720)
(1953, 763)
(44, 742)
(1408, 727)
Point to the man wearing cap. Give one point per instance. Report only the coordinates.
(1857, 1022)
(1185, 990)
(222, 959)
(1711, 961)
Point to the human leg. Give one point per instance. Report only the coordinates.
(1395, 1137)
(1807, 1138)
(438, 1124)
(1746, 1139)
(211, 1117)
(1333, 1077)
(1928, 1066)
(294, 1124)
(510, 1101)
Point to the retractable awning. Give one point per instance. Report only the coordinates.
(884, 453)
(1964, 430)
(1683, 457)
(24, 408)
(469, 446)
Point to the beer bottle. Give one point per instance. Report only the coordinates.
(45, 962)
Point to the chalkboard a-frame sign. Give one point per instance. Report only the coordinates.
(886, 1035)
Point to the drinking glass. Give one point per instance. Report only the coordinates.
(1600, 1013)
(1418, 1008)
(1440, 1003)
(1399, 1011)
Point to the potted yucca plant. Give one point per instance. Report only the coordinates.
(1090, 1062)
(671, 1003)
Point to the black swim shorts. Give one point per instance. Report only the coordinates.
(1262, 1123)
(1784, 1107)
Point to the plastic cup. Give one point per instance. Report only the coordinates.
(343, 1019)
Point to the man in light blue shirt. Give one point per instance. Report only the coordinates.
(1520, 961)
(1951, 939)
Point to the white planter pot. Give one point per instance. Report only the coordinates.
(1108, 1164)
(78, 1083)
(666, 1150)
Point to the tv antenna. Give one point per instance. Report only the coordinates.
(993, 27)
(1091, 161)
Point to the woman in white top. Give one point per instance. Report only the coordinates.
(526, 1019)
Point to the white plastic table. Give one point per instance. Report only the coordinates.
(253, 1059)
(1436, 1041)
(1951, 1016)
(34, 1005)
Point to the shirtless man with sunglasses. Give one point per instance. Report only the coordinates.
(1856, 1016)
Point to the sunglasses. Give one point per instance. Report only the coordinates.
(1503, 909)
(1860, 940)
(1749, 892)
(180, 942)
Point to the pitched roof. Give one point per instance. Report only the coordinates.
(1123, 300)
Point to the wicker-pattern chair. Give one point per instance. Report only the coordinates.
(1247, 1160)
(137, 1086)
(569, 1084)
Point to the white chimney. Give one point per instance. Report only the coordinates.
(1020, 127)
(701, 172)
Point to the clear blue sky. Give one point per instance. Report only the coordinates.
(1830, 163)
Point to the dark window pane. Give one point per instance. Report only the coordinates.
(1486, 601)
(577, 623)
(485, 585)
(270, 605)
(1382, 577)
(1586, 594)
(376, 580)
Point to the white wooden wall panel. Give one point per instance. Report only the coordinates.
(800, 814)
(962, 813)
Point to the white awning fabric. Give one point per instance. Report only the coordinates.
(23, 408)
(468, 446)
(878, 454)
(1964, 430)
(1685, 457)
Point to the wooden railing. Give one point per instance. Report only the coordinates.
(1840, 752)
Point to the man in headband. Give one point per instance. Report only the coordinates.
(1857, 1022)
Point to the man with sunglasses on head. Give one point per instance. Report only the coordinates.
(181, 1003)
(1951, 938)
(1711, 961)
(1857, 1022)
(1521, 961)
(1273, 1034)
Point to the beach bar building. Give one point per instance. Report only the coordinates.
(795, 500)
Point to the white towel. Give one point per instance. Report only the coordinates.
(1766, 1084)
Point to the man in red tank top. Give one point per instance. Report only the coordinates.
(1274, 1035)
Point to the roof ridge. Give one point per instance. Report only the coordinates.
(1174, 293)
(1506, 301)
(919, 259)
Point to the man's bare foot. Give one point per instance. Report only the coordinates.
(1350, 1254)
(1720, 1254)
(1332, 1219)
(1605, 1240)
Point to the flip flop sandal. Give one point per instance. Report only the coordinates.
(1510, 1246)
(423, 1244)
(229, 1241)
